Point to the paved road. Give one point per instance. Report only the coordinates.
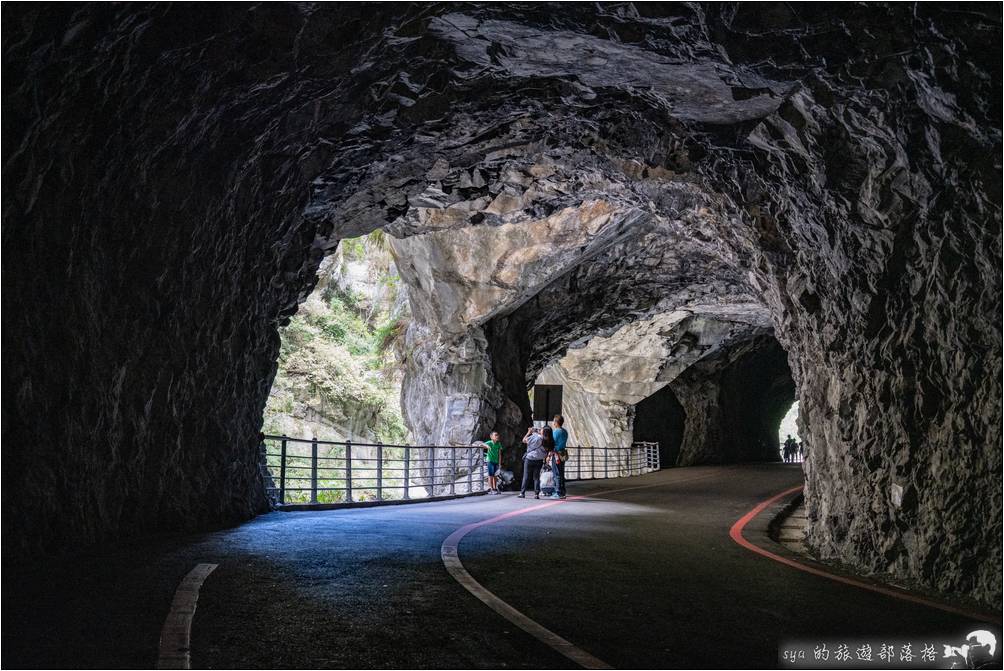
(646, 577)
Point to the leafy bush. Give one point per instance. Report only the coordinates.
(388, 332)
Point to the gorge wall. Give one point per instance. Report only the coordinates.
(175, 174)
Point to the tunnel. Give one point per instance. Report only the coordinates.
(661, 419)
(735, 401)
(690, 215)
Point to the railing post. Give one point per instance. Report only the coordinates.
(432, 471)
(578, 469)
(348, 470)
(592, 462)
(379, 471)
(407, 471)
(453, 471)
(313, 470)
(606, 462)
(484, 482)
(470, 470)
(282, 472)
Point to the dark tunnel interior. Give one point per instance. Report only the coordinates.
(773, 201)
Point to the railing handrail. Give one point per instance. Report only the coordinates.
(475, 444)
(351, 475)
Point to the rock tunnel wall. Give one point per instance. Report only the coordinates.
(178, 172)
(884, 296)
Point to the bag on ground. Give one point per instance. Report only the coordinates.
(504, 479)
(546, 480)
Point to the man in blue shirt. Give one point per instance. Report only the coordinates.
(559, 456)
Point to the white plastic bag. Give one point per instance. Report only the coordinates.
(546, 478)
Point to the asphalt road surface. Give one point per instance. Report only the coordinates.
(645, 577)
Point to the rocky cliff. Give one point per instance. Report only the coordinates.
(174, 175)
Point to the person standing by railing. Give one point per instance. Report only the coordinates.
(559, 456)
(493, 457)
(533, 460)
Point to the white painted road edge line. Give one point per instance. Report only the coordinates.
(456, 569)
(451, 559)
(176, 634)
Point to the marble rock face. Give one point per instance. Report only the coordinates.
(174, 174)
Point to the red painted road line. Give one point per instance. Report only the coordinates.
(736, 533)
(450, 554)
(175, 636)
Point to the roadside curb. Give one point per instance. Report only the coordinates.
(754, 536)
(788, 526)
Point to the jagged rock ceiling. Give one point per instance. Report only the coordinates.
(179, 172)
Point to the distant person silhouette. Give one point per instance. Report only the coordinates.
(789, 449)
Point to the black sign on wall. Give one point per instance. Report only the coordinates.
(546, 402)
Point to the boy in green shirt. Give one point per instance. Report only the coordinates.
(493, 459)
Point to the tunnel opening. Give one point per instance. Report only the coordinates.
(661, 418)
(754, 389)
(791, 447)
(339, 367)
(338, 383)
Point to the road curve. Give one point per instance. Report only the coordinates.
(642, 577)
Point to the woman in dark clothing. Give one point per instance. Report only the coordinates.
(547, 433)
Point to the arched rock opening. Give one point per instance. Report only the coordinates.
(661, 419)
(724, 408)
(734, 401)
(180, 171)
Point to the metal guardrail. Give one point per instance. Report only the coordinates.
(305, 471)
(590, 463)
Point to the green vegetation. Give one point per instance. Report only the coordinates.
(338, 376)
